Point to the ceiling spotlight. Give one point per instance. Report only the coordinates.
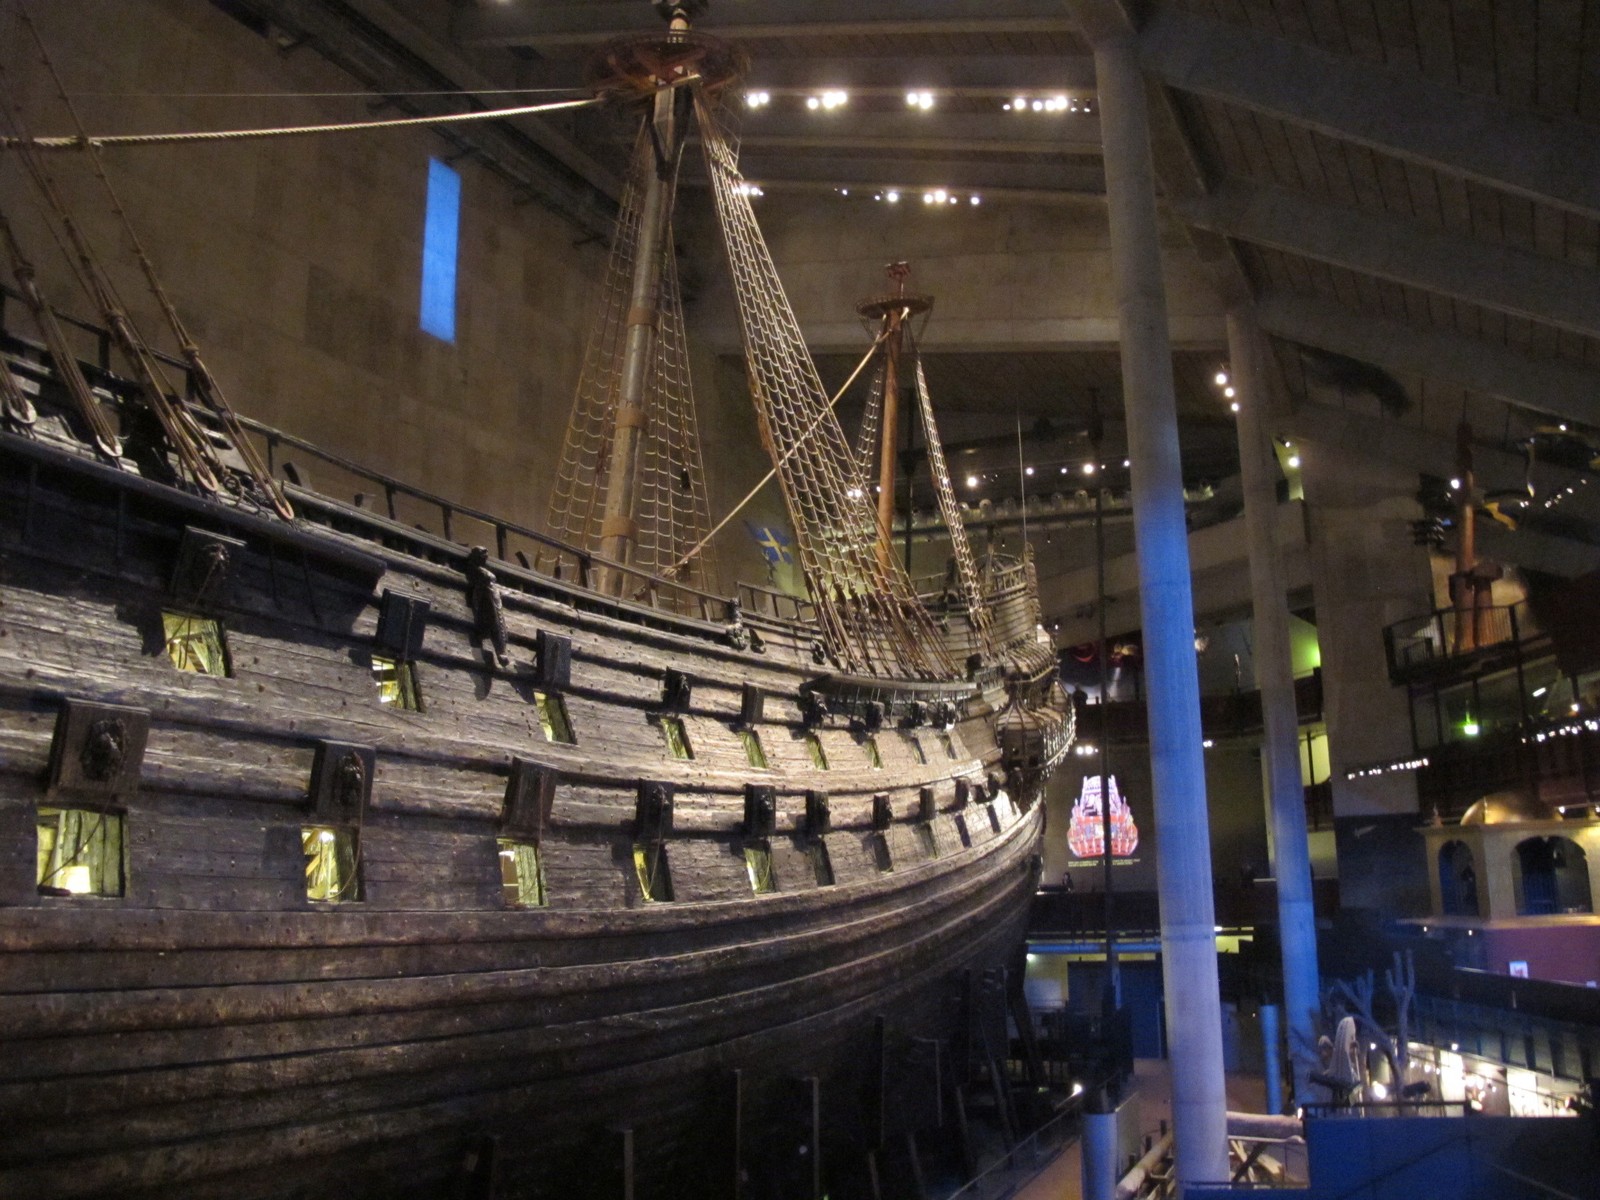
(1234, 406)
(1222, 378)
(1028, 471)
(1229, 392)
(813, 103)
(1455, 485)
(1294, 460)
(1088, 468)
(757, 99)
(1020, 103)
(1125, 462)
(940, 195)
(976, 200)
(1038, 106)
(922, 100)
(892, 197)
(972, 481)
(927, 197)
(1063, 470)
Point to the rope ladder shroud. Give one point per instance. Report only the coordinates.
(869, 614)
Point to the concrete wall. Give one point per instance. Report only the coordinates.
(296, 261)
(1004, 277)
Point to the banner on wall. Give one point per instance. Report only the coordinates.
(1086, 833)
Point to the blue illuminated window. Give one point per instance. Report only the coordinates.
(440, 232)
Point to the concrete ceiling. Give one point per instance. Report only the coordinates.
(1410, 184)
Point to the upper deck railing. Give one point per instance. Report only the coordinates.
(315, 470)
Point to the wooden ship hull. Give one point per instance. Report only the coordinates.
(342, 856)
(213, 1030)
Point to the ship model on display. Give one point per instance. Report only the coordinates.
(346, 855)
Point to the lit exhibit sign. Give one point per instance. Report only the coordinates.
(1086, 834)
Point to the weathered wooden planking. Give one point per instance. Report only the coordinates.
(669, 1030)
(498, 1000)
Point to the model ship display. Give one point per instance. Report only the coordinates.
(345, 857)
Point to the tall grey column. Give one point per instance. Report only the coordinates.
(1166, 604)
(1098, 1148)
(1272, 1066)
(1280, 747)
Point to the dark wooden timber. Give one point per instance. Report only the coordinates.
(212, 1032)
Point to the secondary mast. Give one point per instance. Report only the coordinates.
(890, 314)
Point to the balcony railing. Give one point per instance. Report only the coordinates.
(1433, 643)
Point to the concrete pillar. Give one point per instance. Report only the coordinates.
(1280, 749)
(1497, 873)
(1099, 1155)
(1188, 939)
(1366, 575)
(1271, 1047)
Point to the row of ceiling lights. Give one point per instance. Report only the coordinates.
(892, 196)
(923, 101)
(1088, 468)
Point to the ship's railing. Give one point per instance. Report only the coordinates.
(934, 588)
(509, 541)
(770, 602)
(420, 509)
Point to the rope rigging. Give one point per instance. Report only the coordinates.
(186, 441)
(672, 510)
(84, 141)
(868, 611)
(203, 382)
(950, 511)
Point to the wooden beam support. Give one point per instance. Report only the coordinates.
(1405, 252)
(1398, 112)
(1557, 388)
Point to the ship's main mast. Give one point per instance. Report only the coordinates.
(619, 532)
(891, 313)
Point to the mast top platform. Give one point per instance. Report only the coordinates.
(876, 308)
(638, 65)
